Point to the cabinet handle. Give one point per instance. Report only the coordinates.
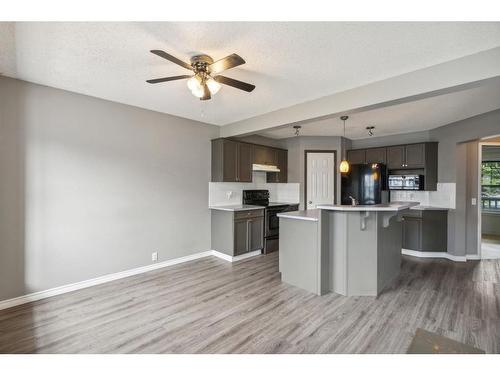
(248, 234)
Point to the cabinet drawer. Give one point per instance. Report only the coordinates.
(248, 214)
(413, 213)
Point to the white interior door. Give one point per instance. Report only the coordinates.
(320, 179)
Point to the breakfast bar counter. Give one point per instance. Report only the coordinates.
(350, 250)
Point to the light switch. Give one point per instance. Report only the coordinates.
(474, 201)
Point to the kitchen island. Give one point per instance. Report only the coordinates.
(350, 250)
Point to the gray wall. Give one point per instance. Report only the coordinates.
(91, 187)
(457, 162)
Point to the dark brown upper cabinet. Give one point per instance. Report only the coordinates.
(368, 156)
(415, 155)
(417, 158)
(231, 161)
(408, 156)
(282, 176)
(395, 157)
(376, 155)
(245, 159)
(265, 155)
(356, 156)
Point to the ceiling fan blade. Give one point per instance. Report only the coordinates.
(171, 58)
(226, 63)
(235, 83)
(166, 79)
(206, 93)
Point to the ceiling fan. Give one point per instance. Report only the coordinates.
(206, 80)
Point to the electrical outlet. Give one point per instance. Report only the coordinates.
(474, 201)
(154, 256)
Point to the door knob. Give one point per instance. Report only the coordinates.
(310, 202)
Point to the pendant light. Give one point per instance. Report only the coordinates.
(344, 164)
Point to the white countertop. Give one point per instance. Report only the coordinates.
(393, 206)
(310, 215)
(237, 207)
(429, 208)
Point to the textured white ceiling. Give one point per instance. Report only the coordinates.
(289, 63)
(413, 116)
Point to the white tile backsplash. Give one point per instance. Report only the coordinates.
(228, 193)
(444, 196)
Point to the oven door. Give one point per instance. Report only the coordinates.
(273, 221)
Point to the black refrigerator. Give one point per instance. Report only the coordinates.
(365, 183)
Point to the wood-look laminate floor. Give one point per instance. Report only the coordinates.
(211, 306)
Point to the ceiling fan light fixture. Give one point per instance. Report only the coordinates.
(198, 92)
(213, 86)
(202, 83)
(194, 83)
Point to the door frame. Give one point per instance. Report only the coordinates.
(482, 142)
(334, 152)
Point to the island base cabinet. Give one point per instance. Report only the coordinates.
(300, 259)
(365, 251)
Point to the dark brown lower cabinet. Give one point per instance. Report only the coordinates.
(239, 232)
(425, 230)
(248, 235)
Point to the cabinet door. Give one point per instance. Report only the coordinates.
(259, 155)
(282, 176)
(245, 159)
(412, 232)
(356, 156)
(415, 155)
(229, 162)
(256, 234)
(240, 237)
(376, 155)
(395, 157)
(265, 155)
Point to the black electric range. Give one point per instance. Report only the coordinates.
(271, 222)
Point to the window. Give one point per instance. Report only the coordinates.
(490, 185)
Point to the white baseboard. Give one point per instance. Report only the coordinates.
(106, 278)
(441, 254)
(473, 257)
(230, 258)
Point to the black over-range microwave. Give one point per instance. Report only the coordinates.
(406, 182)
